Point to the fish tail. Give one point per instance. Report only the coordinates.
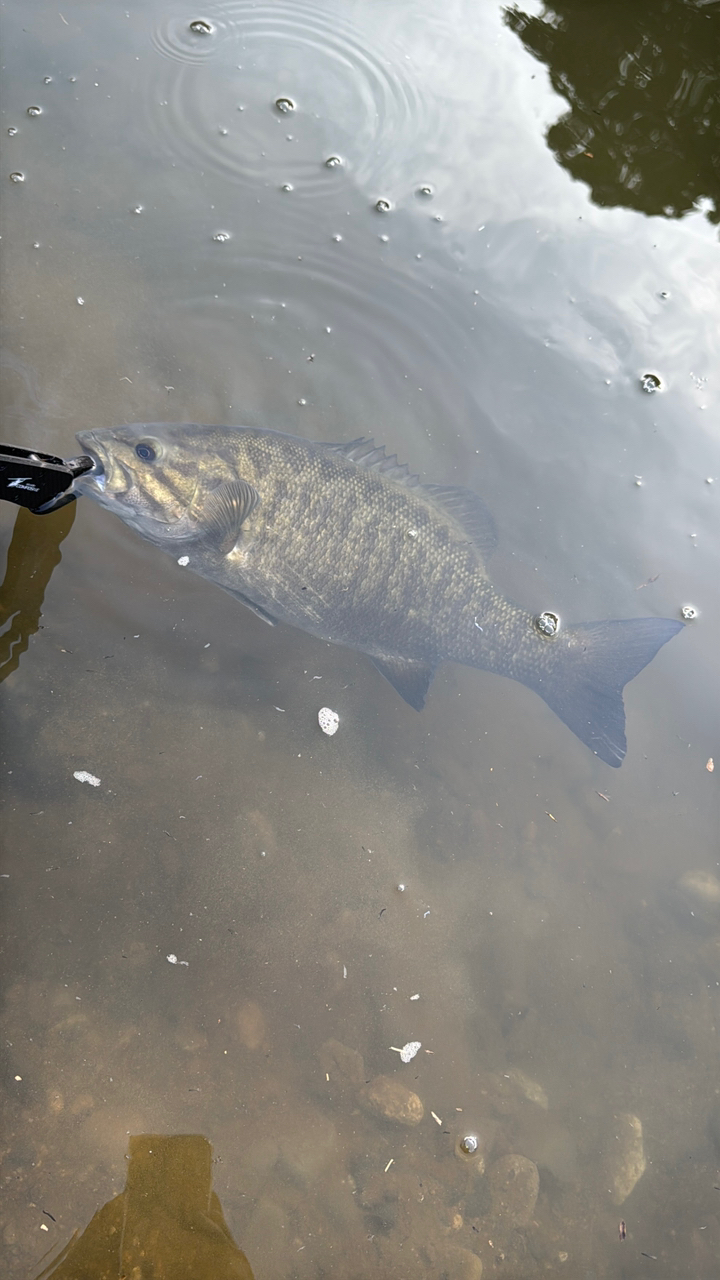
(583, 683)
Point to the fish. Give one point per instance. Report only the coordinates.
(344, 542)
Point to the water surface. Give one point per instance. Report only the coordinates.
(180, 249)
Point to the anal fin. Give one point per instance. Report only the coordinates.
(409, 677)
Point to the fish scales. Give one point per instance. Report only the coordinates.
(344, 543)
(386, 569)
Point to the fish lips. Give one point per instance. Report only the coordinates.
(110, 480)
(92, 481)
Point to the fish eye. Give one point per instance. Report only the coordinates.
(145, 451)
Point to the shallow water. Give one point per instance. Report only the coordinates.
(492, 331)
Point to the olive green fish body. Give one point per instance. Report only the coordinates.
(343, 542)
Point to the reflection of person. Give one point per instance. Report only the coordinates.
(167, 1223)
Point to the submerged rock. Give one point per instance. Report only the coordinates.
(251, 1025)
(514, 1184)
(701, 885)
(528, 1087)
(461, 1264)
(392, 1100)
(626, 1161)
(341, 1063)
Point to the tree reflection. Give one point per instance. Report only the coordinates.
(643, 83)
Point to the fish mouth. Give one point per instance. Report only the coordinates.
(95, 481)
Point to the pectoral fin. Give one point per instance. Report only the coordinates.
(411, 679)
(226, 509)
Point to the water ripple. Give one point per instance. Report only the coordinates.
(214, 101)
(192, 37)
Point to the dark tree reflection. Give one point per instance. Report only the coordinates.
(642, 78)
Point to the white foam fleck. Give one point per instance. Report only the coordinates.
(328, 721)
(82, 775)
(408, 1051)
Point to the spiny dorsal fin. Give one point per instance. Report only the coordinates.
(467, 510)
(225, 510)
(365, 453)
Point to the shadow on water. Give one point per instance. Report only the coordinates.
(33, 554)
(167, 1223)
(641, 81)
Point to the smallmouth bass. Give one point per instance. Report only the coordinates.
(343, 542)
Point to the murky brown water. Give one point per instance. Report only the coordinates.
(556, 947)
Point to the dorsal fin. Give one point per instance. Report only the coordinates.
(463, 505)
(365, 453)
(467, 510)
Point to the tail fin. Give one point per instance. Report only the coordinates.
(585, 687)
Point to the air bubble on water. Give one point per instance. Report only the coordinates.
(426, 190)
(384, 239)
(72, 79)
(337, 239)
(36, 244)
(333, 162)
(664, 295)
(240, 108)
(638, 482)
(650, 382)
(401, 888)
(12, 130)
(467, 1145)
(80, 302)
(137, 208)
(17, 176)
(302, 401)
(221, 236)
(47, 79)
(201, 27)
(437, 217)
(548, 623)
(285, 105)
(382, 206)
(287, 186)
(222, 131)
(709, 480)
(688, 613)
(328, 328)
(34, 111)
